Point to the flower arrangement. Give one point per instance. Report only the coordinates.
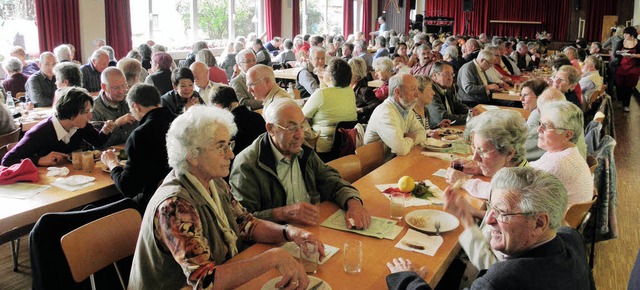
(543, 35)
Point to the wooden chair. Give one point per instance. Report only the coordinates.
(99, 243)
(371, 156)
(578, 214)
(592, 162)
(348, 167)
(10, 137)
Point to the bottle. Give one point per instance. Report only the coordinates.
(290, 91)
(469, 116)
(10, 103)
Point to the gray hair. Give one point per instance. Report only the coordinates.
(98, 53)
(550, 94)
(451, 40)
(44, 55)
(158, 48)
(131, 68)
(135, 54)
(68, 71)
(572, 73)
(198, 46)
(538, 191)
(505, 129)
(383, 64)
(263, 71)
(108, 73)
(485, 54)
(109, 50)
(243, 53)
(521, 44)
(278, 105)
(396, 81)
(205, 56)
(238, 46)
(573, 51)
(193, 132)
(491, 48)
(437, 67)
(381, 41)
(532, 44)
(358, 67)
(452, 51)
(62, 52)
(423, 82)
(565, 115)
(12, 64)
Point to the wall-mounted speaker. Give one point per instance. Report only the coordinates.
(577, 5)
(467, 6)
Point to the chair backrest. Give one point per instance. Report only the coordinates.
(49, 267)
(592, 162)
(101, 243)
(576, 213)
(371, 156)
(339, 139)
(348, 167)
(10, 137)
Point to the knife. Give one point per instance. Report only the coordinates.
(317, 286)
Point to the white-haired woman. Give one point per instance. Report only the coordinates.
(193, 224)
(561, 124)
(424, 99)
(498, 141)
(383, 68)
(366, 100)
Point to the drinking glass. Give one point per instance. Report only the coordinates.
(397, 205)
(310, 258)
(352, 251)
(76, 159)
(88, 163)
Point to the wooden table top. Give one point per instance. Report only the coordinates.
(288, 74)
(523, 112)
(28, 121)
(377, 252)
(508, 96)
(375, 83)
(16, 213)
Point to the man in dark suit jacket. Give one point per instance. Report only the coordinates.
(146, 147)
(473, 85)
(525, 211)
(472, 47)
(445, 103)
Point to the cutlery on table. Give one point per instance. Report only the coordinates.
(437, 225)
(317, 286)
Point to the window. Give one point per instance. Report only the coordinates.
(174, 24)
(321, 17)
(18, 26)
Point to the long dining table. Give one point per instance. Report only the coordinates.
(17, 215)
(377, 252)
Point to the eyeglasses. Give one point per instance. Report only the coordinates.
(248, 61)
(252, 84)
(501, 216)
(561, 80)
(120, 87)
(223, 148)
(292, 128)
(483, 154)
(546, 127)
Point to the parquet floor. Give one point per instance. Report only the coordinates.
(614, 258)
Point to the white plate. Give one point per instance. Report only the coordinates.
(435, 145)
(424, 219)
(105, 168)
(271, 285)
(76, 180)
(450, 131)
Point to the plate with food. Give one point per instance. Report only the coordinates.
(450, 131)
(424, 220)
(315, 283)
(432, 144)
(105, 168)
(417, 193)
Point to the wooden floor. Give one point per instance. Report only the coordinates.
(614, 258)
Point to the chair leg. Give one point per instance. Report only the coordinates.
(115, 265)
(15, 250)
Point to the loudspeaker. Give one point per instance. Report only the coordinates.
(577, 5)
(467, 6)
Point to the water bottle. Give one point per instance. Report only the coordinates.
(290, 91)
(9, 101)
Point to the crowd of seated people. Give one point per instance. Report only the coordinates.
(426, 83)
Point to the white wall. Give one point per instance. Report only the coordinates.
(636, 12)
(92, 25)
(286, 19)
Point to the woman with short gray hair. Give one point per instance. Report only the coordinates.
(561, 124)
(15, 78)
(366, 100)
(383, 69)
(498, 142)
(194, 225)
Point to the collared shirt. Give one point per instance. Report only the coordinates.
(61, 133)
(40, 89)
(206, 91)
(290, 176)
(483, 77)
(90, 78)
(402, 111)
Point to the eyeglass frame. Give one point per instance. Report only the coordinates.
(224, 147)
(253, 84)
(483, 154)
(291, 128)
(504, 217)
(546, 128)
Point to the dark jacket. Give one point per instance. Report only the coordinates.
(438, 108)
(175, 103)
(250, 125)
(147, 162)
(365, 99)
(161, 80)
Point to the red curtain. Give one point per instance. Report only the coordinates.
(347, 17)
(273, 13)
(58, 22)
(295, 18)
(366, 18)
(118, 24)
(595, 12)
(553, 14)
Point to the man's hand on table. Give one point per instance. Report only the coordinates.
(302, 213)
(301, 237)
(53, 158)
(358, 214)
(402, 265)
(110, 159)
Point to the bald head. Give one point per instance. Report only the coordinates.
(200, 74)
(549, 95)
(47, 62)
(260, 81)
(113, 84)
(100, 60)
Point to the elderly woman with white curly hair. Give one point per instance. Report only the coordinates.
(561, 124)
(193, 224)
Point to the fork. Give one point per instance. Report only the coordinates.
(437, 225)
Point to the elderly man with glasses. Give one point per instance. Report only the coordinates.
(473, 84)
(111, 105)
(245, 60)
(522, 239)
(277, 176)
(261, 83)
